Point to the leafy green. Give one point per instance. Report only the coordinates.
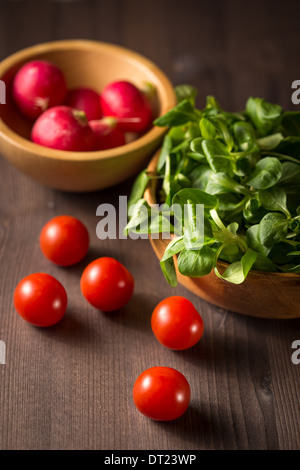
(273, 228)
(237, 272)
(183, 112)
(185, 92)
(265, 116)
(274, 199)
(229, 189)
(266, 173)
(138, 188)
(217, 155)
(196, 263)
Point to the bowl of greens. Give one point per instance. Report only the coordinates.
(236, 177)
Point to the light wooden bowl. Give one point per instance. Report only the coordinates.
(91, 64)
(264, 295)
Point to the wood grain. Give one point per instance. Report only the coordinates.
(69, 387)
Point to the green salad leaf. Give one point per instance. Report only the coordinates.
(243, 170)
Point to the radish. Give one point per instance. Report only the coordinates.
(37, 86)
(107, 133)
(126, 102)
(63, 128)
(87, 100)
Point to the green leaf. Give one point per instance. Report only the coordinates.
(217, 155)
(245, 135)
(138, 188)
(219, 183)
(199, 176)
(289, 146)
(169, 271)
(139, 214)
(185, 92)
(177, 134)
(196, 196)
(237, 272)
(230, 205)
(196, 263)
(174, 247)
(291, 123)
(211, 102)
(165, 150)
(291, 269)
(208, 130)
(197, 151)
(244, 164)
(253, 212)
(155, 224)
(270, 141)
(273, 228)
(266, 173)
(265, 116)
(253, 241)
(182, 113)
(231, 253)
(290, 176)
(274, 199)
(263, 263)
(193, 226)
(279, 253)
(182, 180)
(192, 131)
(170, 186)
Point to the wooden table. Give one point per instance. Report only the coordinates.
(70, 386)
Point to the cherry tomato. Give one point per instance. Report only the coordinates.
(176, 323)
(64, 240)
(40, 299)
(161, 393)
(107, 284)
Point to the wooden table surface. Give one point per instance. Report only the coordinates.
(70, 386)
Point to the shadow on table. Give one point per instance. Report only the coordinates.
(198, 428)
(136, 315)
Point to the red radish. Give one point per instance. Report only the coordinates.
(124, 100)
(63, 128)
(107, 133)
(37, 86)
(87, 100)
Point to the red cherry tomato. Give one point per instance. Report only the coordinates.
(64, 240)
(176, 323)
(107, 284)
(40, 299)
(161, 393)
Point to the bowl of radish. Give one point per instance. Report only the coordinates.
(78, 114)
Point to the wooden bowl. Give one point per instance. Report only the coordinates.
(264, 295)
(90, 64)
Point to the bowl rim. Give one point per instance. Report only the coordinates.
(154, 133)
(149, 196)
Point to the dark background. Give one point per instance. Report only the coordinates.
(70, 386)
